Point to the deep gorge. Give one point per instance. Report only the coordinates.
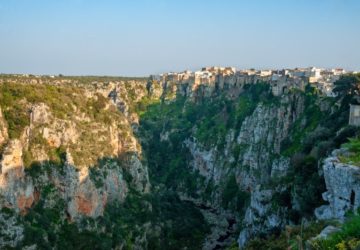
(135, 164)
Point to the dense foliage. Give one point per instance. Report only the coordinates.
(167, 222)
(348, 238)
(348, 85)
(353, 156)
(293, 237)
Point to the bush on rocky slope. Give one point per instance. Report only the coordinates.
(312, 138)
(294, 237)
(353, 156)
(154, 221)
(348, 238)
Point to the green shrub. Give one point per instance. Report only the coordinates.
(354, 155)
(347, 238)
(306, 183)
(233, 197)
(17, 118)
(293, 237)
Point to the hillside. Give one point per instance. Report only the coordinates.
(121, 163)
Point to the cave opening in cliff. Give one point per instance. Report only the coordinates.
(352, 198)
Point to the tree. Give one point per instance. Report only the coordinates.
(348, 85)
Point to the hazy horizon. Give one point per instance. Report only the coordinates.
(146, 37)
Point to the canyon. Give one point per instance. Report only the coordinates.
(121, 163)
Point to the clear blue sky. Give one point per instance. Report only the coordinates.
(140, 37)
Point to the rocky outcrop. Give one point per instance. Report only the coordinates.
(260, 139)
(40, 114)
(89, 196)
(83, 157)
(343, 188)
(258, 160)
(124, 95)
(196, 87)
(261, 217)
(203, 160)
(280, 167)
(16, 189)
(84, 195)
(3, 129)
(12, 232)
(139, 174)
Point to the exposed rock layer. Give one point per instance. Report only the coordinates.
(343, 188)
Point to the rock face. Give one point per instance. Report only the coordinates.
(343, 188)
(90, 156)
(260, 217)
(125, 94)
(260, 138)
(85, 196)
(82, 154)
(3, 129)
(203, 160)
(11, 231)
(16, 189)
(280, 167)
(258, 160)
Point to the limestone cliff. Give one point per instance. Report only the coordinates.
(83, 152)
(228, 161)
(343, 188)
(3, 129)
(253, 157)
(16, 189)
(47, 133)
(250, 153)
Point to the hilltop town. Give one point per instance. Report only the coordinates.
(280, 80)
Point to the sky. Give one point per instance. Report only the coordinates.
(142, 37)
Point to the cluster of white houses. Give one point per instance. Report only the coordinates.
(280, 80)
